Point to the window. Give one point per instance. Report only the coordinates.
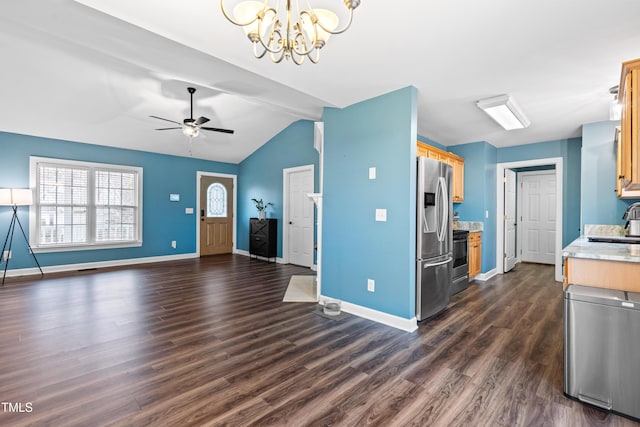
(85, 205)
(216, 201)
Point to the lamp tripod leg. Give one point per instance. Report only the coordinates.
(9, 238)
(15, 213)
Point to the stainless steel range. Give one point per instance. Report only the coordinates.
(460, 272)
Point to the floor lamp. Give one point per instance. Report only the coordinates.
(15, 197)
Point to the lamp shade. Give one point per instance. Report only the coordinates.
(16, 196)
(5, 197)
(245, 12)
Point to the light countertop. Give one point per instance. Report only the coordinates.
(583, 248)
(470, 225)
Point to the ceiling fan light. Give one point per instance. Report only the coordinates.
(190, 131)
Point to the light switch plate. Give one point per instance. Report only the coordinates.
(174, 197)
(188, 211)
(372, 173)
(381, 214)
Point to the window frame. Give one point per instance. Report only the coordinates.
(92, 168)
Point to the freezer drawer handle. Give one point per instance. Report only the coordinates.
(438, 263)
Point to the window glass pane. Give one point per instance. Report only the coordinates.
(217, 201)
(129, 181)
(114, 196)
(102, 179)
(128, 197)
(115, 180)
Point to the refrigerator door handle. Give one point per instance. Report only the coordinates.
(438, 215)
(434, 264)
(442, 185)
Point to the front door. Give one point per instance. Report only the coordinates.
(216, 215)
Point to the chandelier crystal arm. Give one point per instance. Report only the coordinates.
(341, 30)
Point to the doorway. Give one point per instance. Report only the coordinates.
(298, 213)
(536, 200)
(216, 228)
(500, 199)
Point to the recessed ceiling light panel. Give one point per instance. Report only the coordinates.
(504, 111)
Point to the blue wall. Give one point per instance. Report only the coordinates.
(380, 132)
(260, 175)
(600, 204)
(480, 194)
(163, 221)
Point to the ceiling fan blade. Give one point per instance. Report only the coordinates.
(166, 120)
(217, 129)
(201, 121)
(168, 128)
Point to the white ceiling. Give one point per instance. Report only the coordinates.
(95, 70)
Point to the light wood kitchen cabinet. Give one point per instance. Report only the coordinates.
(475, 253)
(456, 162)
(628, 150)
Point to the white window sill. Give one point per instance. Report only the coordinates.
(85, 247)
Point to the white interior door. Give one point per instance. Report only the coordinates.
(509, 219)
(538, 216)
(299, 227)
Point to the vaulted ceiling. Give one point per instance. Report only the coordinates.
(95, 70)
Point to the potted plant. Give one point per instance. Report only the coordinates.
(261, 207)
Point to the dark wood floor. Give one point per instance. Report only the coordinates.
(209, 342)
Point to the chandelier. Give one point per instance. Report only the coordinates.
(296, 34)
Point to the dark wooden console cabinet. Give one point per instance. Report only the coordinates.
(263, 237)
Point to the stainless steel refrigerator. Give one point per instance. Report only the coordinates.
(434, 242)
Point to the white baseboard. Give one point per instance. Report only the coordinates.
(408, 325)
(246, 253)
(483, 277)
(97, 264)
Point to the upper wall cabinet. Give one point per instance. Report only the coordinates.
(456, 162)
(628, 164)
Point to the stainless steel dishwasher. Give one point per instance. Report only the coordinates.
(602, 348)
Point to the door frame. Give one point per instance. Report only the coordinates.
(519, 242)
(199, 175)
(517, 209)
(500, 167)
(285, 208)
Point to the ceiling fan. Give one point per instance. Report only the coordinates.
(190, 126)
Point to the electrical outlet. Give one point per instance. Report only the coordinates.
(173, 244)
(381, 215)
(6, 255)
(371, 285)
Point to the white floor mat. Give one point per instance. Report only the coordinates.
(301, 289)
